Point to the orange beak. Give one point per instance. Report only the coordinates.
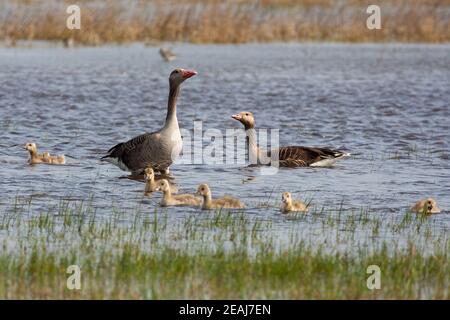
(188, 73)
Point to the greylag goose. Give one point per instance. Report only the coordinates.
(175, 200)
(290, 205)
(157, 149)
(224, 202)
(167, 54)
(36, 158)
(291, 156)
(426, 206)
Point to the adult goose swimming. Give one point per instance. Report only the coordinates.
(291, 156)
(157, 149)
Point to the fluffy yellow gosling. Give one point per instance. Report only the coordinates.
(427, 206)
(175, 200)
(53, 159)
(290, 205)
(150, 184)
(224, 202)
(36, 158)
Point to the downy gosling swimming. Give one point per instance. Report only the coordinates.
(427, 206)
(175, 200)
(36, 158)
(290, 205)
(151, 182)
(53, 159)
(224, 202)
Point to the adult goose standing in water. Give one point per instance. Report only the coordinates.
(157, 149)
(291, 156)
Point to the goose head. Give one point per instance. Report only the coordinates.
(431, 206)
(203, 190)
(286, 197)
(178, 75)
(246, 118)
(30, 147)
(163, 185)
(149, 174)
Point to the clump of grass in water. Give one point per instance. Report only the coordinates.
(219, 255)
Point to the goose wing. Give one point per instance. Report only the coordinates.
(298, 156)
(140, 152)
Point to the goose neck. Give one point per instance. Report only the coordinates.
(171, 117)
(287, 206)
(150, 185)
(253, 149)
(33, 154)
(167, 195)
(207, 201)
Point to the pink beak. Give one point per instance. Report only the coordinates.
(188, 73)
(236, 117)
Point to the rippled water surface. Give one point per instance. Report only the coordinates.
(387, 104)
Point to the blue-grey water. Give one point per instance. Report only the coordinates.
(389, 105)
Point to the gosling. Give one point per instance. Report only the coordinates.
(224, 202)
(426, 206)
(175, 200)
(36, 158)
(150, 184)
(292, 206)
(47, 158)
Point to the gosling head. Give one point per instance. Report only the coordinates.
(163, 185)
(203, 190)
(30, 147)
(246, 118)
(431, 206)
(149, 174)
(178, 75)
(286, 197)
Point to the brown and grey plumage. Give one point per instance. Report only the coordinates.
(157, 149)
(291, 156)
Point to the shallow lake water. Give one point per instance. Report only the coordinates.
(389, 105)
